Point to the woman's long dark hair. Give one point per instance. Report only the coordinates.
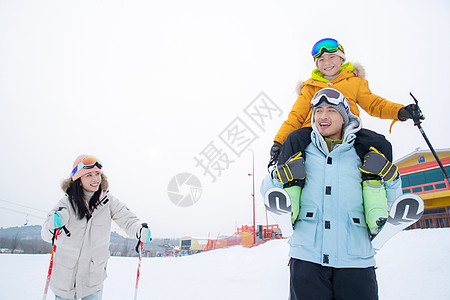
(76, 198)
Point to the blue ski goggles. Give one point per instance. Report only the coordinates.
(331, 96)
(87, 163)
(326, 45)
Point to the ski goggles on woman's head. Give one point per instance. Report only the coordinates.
(326, 45)
(87, 163)
(331, 96)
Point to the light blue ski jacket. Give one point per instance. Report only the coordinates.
(331, 229)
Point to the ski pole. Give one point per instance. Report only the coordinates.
(140, 245)
(50, 268)
(416, 116)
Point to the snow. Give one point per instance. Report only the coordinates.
(412, 265)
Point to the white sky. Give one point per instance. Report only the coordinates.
(147, 85)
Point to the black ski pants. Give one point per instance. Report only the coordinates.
(312, 281)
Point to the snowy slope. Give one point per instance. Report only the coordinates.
(413, 265)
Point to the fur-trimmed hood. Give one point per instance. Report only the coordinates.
(66, 183)
(359, 70)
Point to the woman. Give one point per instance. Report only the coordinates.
(84, 216)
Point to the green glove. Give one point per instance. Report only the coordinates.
(294, 193)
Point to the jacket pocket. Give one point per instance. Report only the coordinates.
(97, 269)
(305, 228)
(358, 242)
(64, 269)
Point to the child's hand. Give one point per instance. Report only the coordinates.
(376, 163)
(274, 153)
(292, 170)
(410, 111)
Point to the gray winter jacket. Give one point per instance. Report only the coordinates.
(79, 263)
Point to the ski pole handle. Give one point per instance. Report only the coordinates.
(414, 110)
(144, 225)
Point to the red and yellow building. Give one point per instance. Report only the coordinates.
(422, 175)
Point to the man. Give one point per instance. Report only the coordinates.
(331, 253)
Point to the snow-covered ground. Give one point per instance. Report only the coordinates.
(413, 265)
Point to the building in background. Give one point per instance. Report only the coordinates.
(422, 175)
(243, 236)
(190, 245)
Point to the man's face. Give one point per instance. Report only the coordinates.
(329, 122)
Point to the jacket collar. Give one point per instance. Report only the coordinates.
(103, 200)
(101, 203)
(317, 75)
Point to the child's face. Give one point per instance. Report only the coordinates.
(329, 64)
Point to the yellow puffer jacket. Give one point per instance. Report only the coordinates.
(354, 87)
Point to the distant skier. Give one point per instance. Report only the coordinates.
(331, 253)
(332, 72)
(85, 213)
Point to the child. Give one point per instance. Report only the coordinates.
(332, 72)
(85, 215)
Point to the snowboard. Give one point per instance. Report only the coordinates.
(405, 211)
(278, 204)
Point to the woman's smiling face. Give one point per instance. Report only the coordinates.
(90, 182)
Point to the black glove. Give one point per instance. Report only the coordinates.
(292, 170)
(410, 111)
(274, 153)
(376, 163)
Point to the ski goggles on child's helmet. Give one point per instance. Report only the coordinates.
(87, 163)
(326, 45)
(331, 96)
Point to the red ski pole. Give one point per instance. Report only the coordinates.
(50, 268)
(140, 245)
